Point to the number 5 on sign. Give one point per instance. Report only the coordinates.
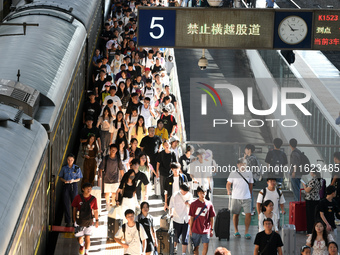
(153, 25)
(156, 27)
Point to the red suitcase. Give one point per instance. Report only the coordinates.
(297, 215)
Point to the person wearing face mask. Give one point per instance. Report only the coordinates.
(139, 179)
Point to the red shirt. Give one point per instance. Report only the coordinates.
(77, 202)
(202, 224)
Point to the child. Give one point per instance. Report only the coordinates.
(306, 250)
(267, 212)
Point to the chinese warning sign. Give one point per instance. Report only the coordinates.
(238, 29)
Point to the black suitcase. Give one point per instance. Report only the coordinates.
(113, 226)
(222, 224)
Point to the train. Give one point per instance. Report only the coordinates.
(46, 49)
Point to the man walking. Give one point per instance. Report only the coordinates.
(112, 166)
(202, 215)
(271, 192)
(268, 242)
(296, 173)
(84, 207)
(242, 181)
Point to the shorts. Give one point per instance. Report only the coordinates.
(181, 229)
(196, 238)
(83, 231)
(238, 204)
(111, 187)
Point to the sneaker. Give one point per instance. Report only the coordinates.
(243, 213)
(81, 250)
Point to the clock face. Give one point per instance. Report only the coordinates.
(292, 30)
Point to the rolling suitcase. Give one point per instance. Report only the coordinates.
(297, 215)
(163, 241)
(114, 222)
(222, 223)
(288, 237)
(157, 186)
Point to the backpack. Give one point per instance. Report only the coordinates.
(277, 159)
(124, 229)
(257, 174)
(264, 191)
(172, 120)
(322, 191)
(85, 217)
(305, 165)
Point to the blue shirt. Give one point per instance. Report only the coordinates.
(70, 173)
(270, 3)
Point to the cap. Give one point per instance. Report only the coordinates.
(147, 69)
(107, 84)
(174, 138)
(200, 152)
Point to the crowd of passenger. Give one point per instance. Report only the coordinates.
(131, 135)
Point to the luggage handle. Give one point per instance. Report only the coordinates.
(229, 202)
(300, 194)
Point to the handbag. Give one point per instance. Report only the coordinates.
(119, 199)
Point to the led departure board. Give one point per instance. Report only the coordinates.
(326, 30)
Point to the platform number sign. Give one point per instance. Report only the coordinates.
(156, 28)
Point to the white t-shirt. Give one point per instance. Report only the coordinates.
(240, 187)
(199, 172)
(175, 186)
(274, 218)
(181, 210)
(147, 116)
(132, 238)
(116, 100)
(273, 196)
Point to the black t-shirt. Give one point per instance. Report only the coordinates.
(169, 121)
(128, 190)
(132, 73)
(185, 162)
(86, 131)
(165, 159)
(151, 146)
(337, 182)
(131, 105)
(173, 98)
(329, 209)
(156, 69)
(99, 85)
(262, 239)
(92, 109)
(140, 178)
